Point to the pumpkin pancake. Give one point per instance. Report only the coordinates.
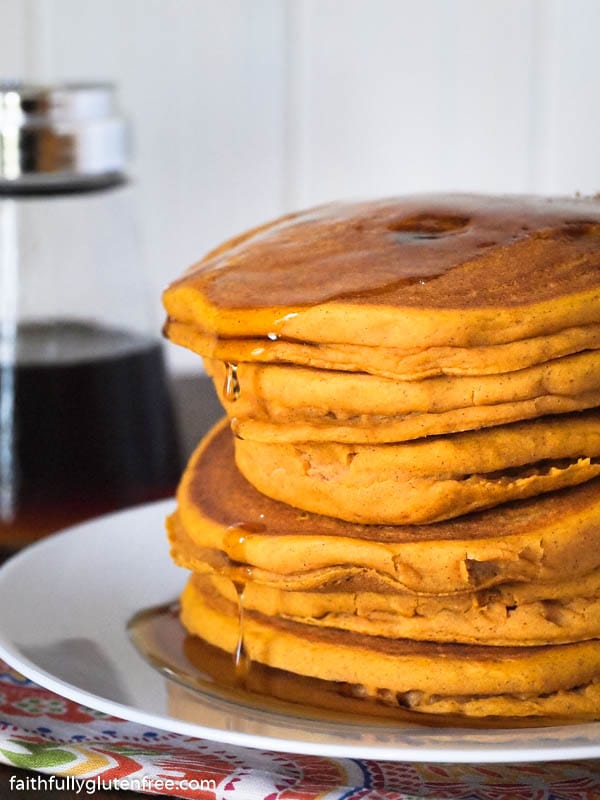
(495, 617)
(400, 363)
(478, 618)
(417, 272)
(429, 479)
(553, 537)
(295, 404)
(383, 598)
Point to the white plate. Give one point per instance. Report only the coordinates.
(65, 603)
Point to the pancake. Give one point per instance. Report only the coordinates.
(554, 537)
(426, 271)
(278, 403)
(342, 703)
(467, 619)
(400, 363)
(557, 680)
(383, 599)
(374, 430)
(430, 479)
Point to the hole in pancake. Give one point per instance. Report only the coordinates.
(510, 609)
(428, 226)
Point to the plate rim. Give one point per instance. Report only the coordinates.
(16, 659)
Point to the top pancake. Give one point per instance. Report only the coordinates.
(399, 271)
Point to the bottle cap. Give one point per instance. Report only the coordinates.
(62, 135)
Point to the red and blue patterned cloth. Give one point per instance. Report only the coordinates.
(44, 732)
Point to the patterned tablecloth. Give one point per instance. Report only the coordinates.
(66, 743)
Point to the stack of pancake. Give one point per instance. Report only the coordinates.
(405, 498)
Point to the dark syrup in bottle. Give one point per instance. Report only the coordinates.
(86, 427)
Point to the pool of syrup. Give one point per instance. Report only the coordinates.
(187, 660)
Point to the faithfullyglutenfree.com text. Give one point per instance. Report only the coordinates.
(89, 786)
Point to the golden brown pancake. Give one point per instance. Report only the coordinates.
(429, 479)
(426, 271)
(472, 618)
(554, 537)
(558, 680)
(294, 404)
(310, 695)
(400, 363)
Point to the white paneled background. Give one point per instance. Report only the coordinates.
(243, 109)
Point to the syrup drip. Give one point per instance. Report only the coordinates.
(231, 389)
(241, 658)
(235, 540)
(189, 662)
(247, 527)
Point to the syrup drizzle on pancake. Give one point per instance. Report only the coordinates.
(387, 251)
(236, 538)
(231, 389)
(241, 658)
(188, 662)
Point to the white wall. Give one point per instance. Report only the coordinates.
(246, 108)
